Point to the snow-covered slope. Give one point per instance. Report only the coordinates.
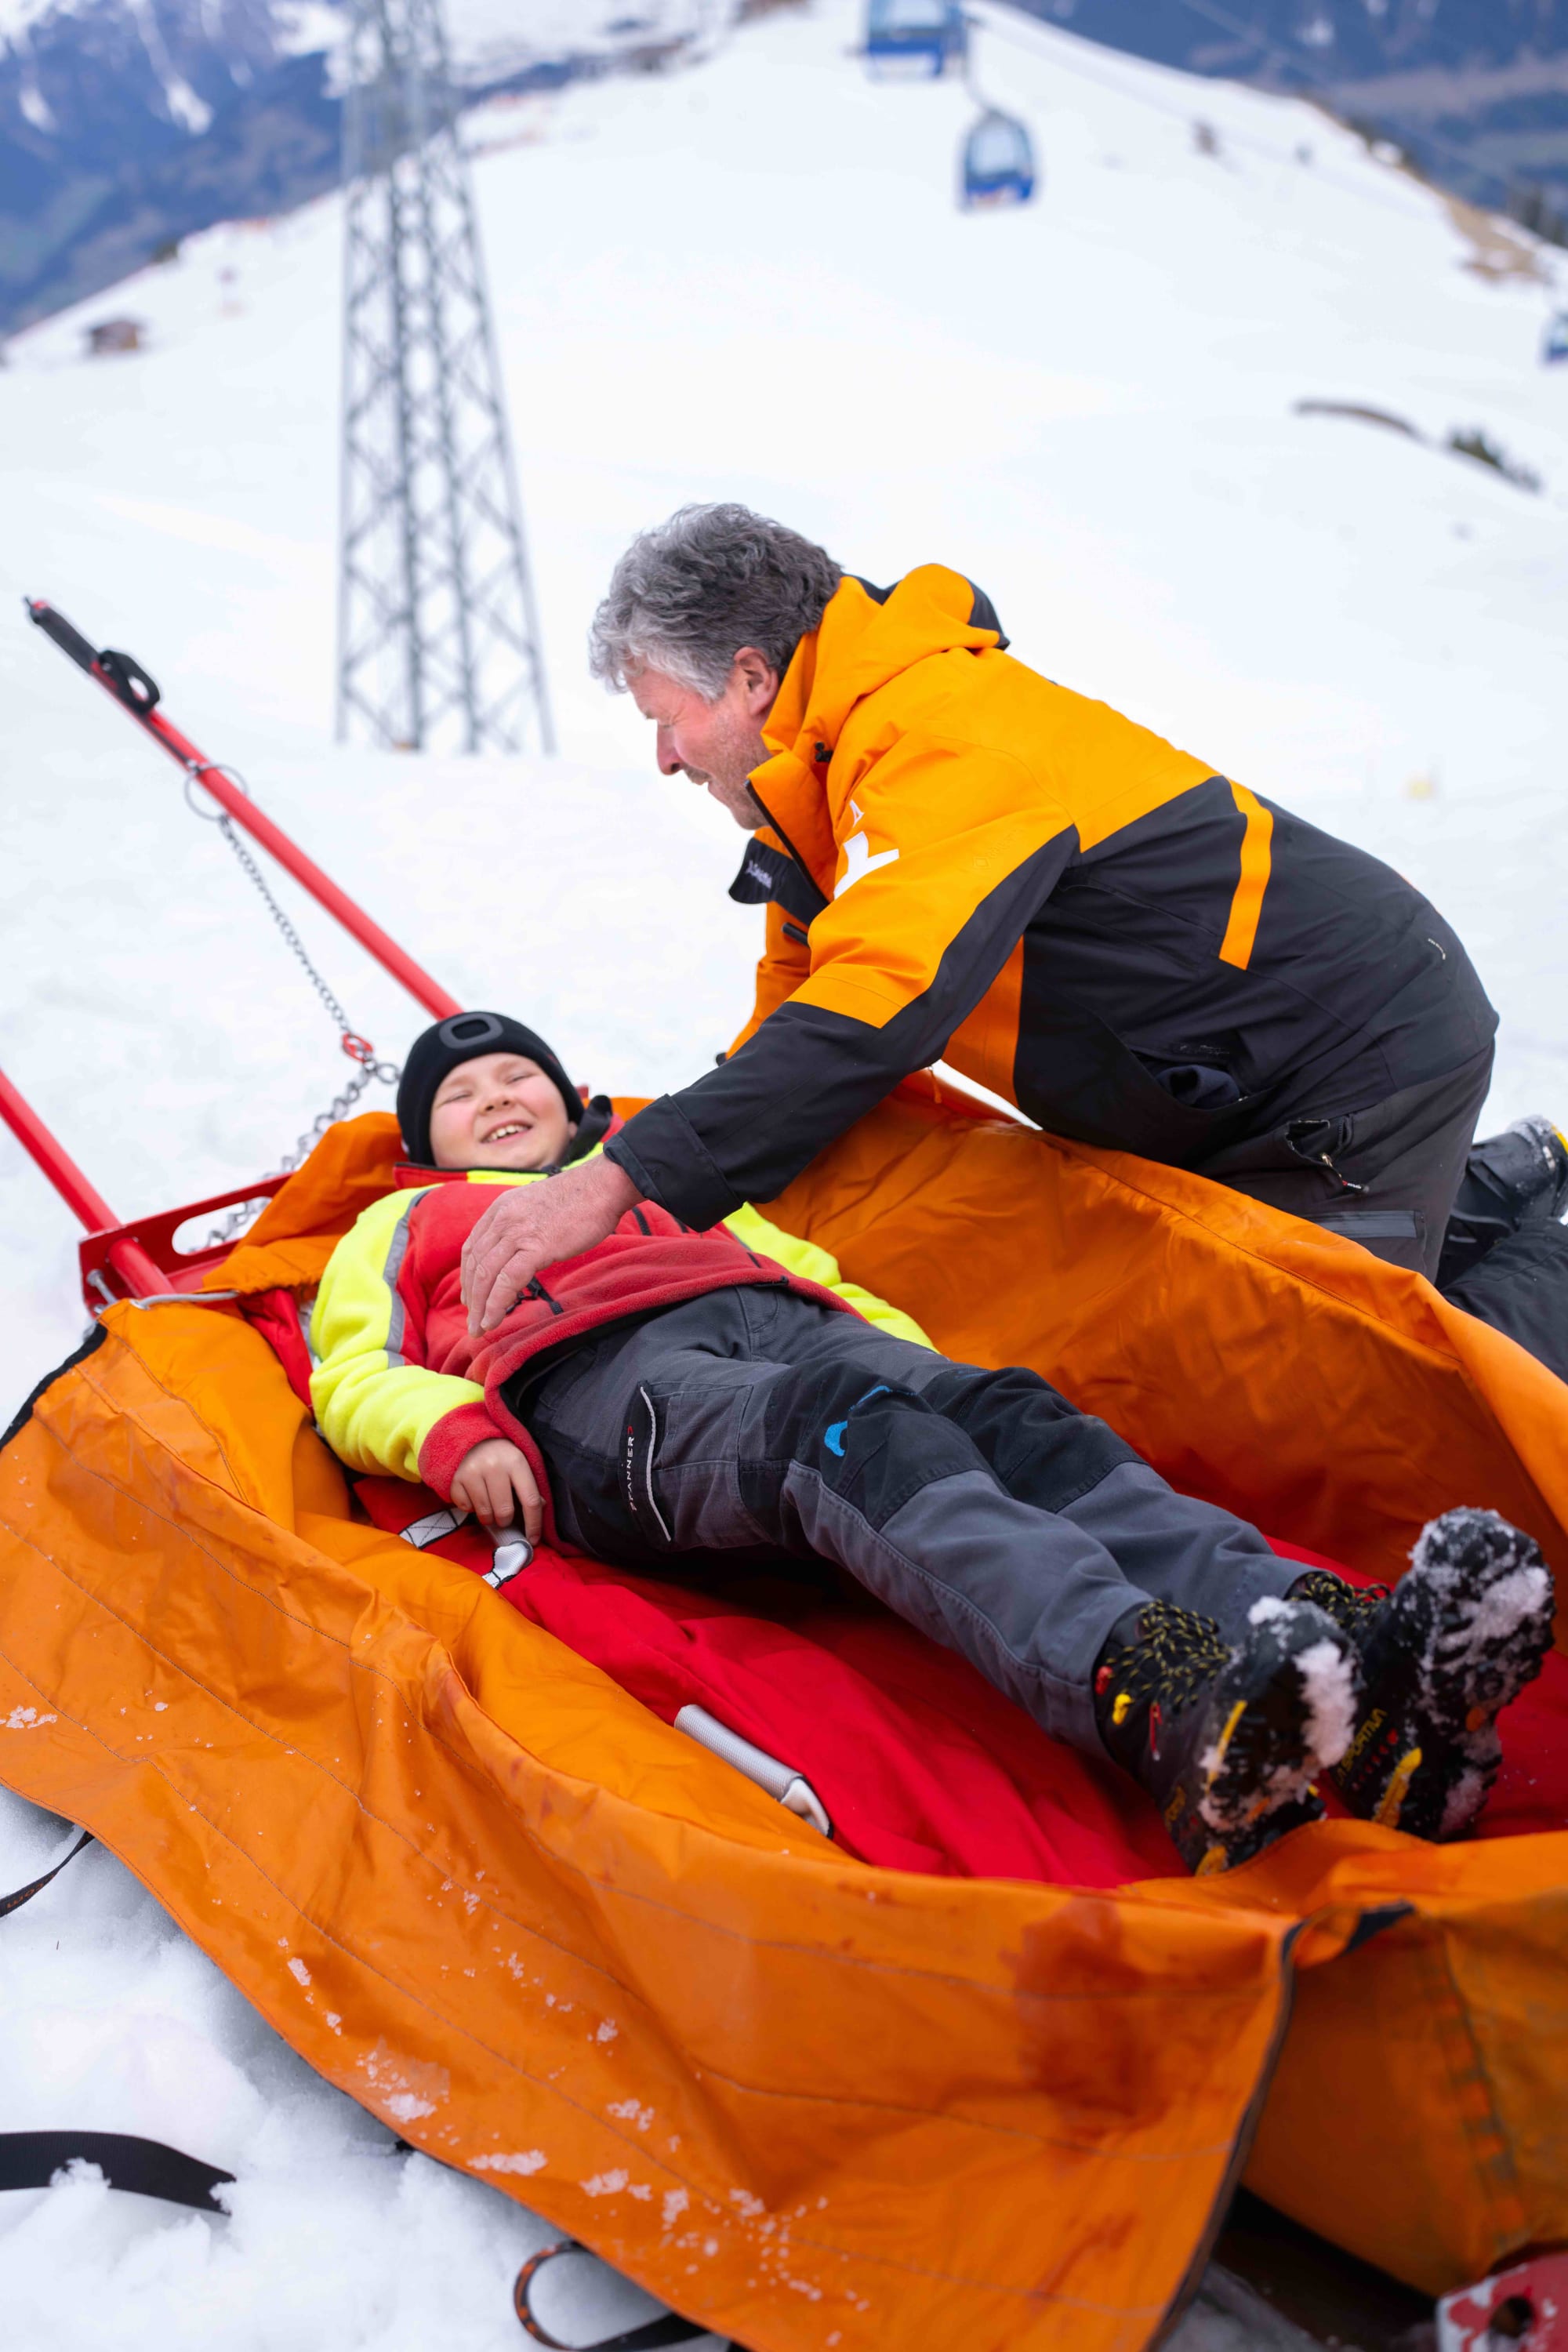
(748, 279)
(1478, 90)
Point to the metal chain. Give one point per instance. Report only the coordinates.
(335, 1010)
(245, 1211)
(358, 1049)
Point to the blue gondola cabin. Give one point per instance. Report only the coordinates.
(997, 166)
(914, 36)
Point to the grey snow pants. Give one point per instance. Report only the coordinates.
(980, 1506)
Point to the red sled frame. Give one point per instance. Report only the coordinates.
(137, 1259)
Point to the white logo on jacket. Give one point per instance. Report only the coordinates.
(858, 860)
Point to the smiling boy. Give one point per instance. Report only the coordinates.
(727, 1396)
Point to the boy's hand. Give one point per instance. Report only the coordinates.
(494, 1481)
(533, 1225)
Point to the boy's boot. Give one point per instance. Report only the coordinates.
(1227, 1742)
(1440, 1657)
(1525, 1167)
(1515, 1178)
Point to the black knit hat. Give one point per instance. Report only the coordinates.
(445, 1047)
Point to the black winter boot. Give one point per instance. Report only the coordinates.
(1227, 1742)
(1440, 1657)
(1513, 1180)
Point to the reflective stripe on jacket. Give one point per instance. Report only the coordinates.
(965, 859)
(402, 1387)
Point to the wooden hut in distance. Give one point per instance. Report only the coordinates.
(114, 335)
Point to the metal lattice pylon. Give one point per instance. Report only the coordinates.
(437, 636)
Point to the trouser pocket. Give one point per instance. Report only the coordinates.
(640, 1434)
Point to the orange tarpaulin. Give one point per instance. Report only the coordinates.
(551, 1940)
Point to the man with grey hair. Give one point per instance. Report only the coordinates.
(960, 858)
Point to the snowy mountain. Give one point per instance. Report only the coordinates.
(749, 279)
(126, 125)
(1476, 91)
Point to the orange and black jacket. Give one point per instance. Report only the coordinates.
(962, 859)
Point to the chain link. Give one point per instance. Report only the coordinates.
(244, 1212)
(358, 1049)
(335, 1011)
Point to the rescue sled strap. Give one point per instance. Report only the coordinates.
(30, 2159)
(668, 2328)
(15, 1900)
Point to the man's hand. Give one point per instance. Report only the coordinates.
(493, 1480)
(532, 1226)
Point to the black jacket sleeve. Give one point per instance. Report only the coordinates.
(744, 1130)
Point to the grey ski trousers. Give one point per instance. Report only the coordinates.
(980, 1506)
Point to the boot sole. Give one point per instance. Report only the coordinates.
(1463, 1634)
(1282, 1714)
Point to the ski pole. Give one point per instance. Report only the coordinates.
(123, 677)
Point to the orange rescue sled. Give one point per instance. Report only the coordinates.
(554, 1941)
(550, 1939)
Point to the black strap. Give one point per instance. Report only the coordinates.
(14, 1902)
(130, 680)
(669, 2329)
(30, 2160)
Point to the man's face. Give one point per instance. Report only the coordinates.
(715, 743)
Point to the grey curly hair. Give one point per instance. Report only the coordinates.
(687, 595)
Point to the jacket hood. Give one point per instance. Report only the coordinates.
(865, 640)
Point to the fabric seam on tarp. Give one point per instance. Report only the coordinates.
(184, 1404)
(1488, 2142)
(821, 2245)
(1242, 2141)
(748, 2090)
(93, 1340)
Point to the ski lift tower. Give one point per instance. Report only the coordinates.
(437, 636)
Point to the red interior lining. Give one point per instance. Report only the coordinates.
(921, 1764)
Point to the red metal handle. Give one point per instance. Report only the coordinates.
(243, 811)
(141, 1274)
(111, 1244)
(54, 1160)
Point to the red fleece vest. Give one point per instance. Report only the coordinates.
(651, 1260)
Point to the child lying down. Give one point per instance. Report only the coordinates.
(670, 1394)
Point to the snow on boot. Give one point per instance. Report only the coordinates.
(1440, 1657)
(1227, 1742)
